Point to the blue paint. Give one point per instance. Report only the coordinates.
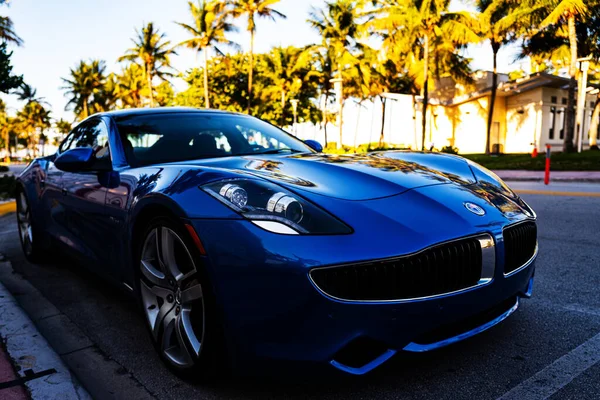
(395, 203)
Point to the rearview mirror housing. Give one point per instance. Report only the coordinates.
(313, 144)
(79, 159)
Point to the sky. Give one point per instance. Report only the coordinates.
(60, 33)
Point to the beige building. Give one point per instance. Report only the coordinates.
(528, 113)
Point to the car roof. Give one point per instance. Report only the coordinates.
(120, 114)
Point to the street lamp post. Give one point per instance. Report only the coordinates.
(295, 108)
(338, 85)
(584, 65)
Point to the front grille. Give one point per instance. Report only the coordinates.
(442, 269)
(520, 242)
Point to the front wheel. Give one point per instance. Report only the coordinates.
(176, 298)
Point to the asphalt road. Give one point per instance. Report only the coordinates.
(543, 345)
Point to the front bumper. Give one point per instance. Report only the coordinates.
(272, 310)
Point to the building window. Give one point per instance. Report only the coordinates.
(553, 99)
(564, 100)
(552, 122)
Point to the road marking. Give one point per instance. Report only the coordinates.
(555, 193)
(7, 232)
(558, 374)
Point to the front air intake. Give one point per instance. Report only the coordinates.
(520, 245)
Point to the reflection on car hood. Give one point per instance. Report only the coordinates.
(352, 177)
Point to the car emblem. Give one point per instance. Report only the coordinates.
(475, 209)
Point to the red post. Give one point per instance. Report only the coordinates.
(547, 174)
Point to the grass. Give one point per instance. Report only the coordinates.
(584, 161)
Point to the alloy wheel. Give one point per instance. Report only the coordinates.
(24, 222)
(172, 297)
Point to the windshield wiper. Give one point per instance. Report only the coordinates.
(272, 151)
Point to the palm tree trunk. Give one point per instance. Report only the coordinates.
(206, 97)
(86, 112)
(495, 48)
(341, 108)
(251, 71)
(594, 125)
(425, 89)
(382, 122)
(149, 78)
(570, 111)
(325, 118)
(282, 108)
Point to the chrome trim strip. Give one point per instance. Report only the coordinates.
(420, 348)
(386, 355)
(527, 264)
(488, 268)
(128, 287)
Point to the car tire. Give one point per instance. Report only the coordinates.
(177, 301)
(30, 237)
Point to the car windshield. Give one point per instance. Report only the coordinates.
(160, 138)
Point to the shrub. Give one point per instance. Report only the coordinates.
(8, 186)
(449, 150)
(4, 168)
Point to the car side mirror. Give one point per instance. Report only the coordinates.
(79, 159)
(313, 144)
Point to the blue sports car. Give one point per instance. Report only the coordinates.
(243, 243)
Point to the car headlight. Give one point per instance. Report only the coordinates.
(274, 208)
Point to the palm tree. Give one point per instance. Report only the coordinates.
(286, 70)
(84, 87)
(417, 37)
(561, 12)
(28, 93)
(33, 118)
(211, 23)
(338, 26)
(152, 51)
(131, 86)
(496, 21)
(252, 9)
(7, 32)
(63, 126)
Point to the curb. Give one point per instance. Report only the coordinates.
(8, 207)
(30, 351)
(102, 377)
(555, 180)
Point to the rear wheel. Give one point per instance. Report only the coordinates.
(30, 240)
(176, 298)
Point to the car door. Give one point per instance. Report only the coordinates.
(84, 196)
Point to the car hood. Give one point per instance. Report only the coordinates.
(352, 177)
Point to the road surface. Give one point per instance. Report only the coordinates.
(550, 345)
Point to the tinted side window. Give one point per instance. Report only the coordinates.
(68, 142)
(95, 135)
(92, 134)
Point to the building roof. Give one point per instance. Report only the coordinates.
(505, 88)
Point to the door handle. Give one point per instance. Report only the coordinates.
(64, 191)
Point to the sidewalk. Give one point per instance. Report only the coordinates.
(37, 368)
(555, 176)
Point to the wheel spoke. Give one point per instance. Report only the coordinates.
(156, 311)
(167, 242)
(183, 340)
(23, 202)
(152, 274)
(191, 294)
(188, 330)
